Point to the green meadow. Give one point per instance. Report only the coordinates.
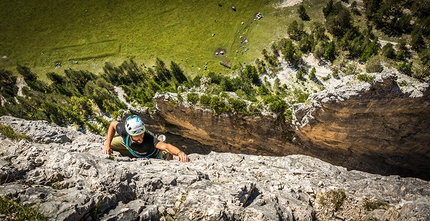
(50, 36)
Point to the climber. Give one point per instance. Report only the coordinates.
(134, 141)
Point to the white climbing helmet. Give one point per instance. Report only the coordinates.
(134, 125)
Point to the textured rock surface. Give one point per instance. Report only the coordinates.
(266, 135)
(69, 179)
(375, 127)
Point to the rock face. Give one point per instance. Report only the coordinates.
(264, 135)
(69, 179)
(374, 127)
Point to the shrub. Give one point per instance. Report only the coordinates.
(16, 211)
(374, 65)
(405, 68)
(302, 13)
(333, 199)
(365, 77)
(219, 106)
(299, 75)
(193, 98)
(288, 115)
(312, 75)
(335, 73)
(11, 134)
(388, 51)
(276, 103)
(205, 100)
(238, 105)
(300, 95)
(372, 205)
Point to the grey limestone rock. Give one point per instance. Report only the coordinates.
(75, 181)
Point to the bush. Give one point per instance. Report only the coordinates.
(219, 106)
(288, 115)
(193, 98)
(238, 105)
(374, 65)
(370, 205)
(312, 75)
(332, 199)
(299, 75)
(16, 211)
(11, 134)
(302, 13)
(276, 103)
(388, 51)
(300, 95)
(365, 77)
(405, 68)
(205, 100)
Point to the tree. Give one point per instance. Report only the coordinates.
(339, 21)
(302, 13)
(31, 79)
(277, 84)
(291, 54)
(263, 90)
(371, 7)
(312, 75)
(330, 52)
(131, 72)
(79, 78)
(8, 88)
(319, 32)
(328, 9)
(81, 105)
(238, 105)
(162, 73)
(306, 44)
(205, 99)
(178, 73)
(417, 41)
(219, 106)
(423, 73)
(251, 73)
(405, 68)
(371, 49)
(319, 50)
(276, 103)
(226, 85)
(289, 51)
(26, 73)
(388, 51)
(295, 30)
(299, 74)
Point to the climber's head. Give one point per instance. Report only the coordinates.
(134, 125)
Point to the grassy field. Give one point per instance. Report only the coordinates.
(50, 36)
